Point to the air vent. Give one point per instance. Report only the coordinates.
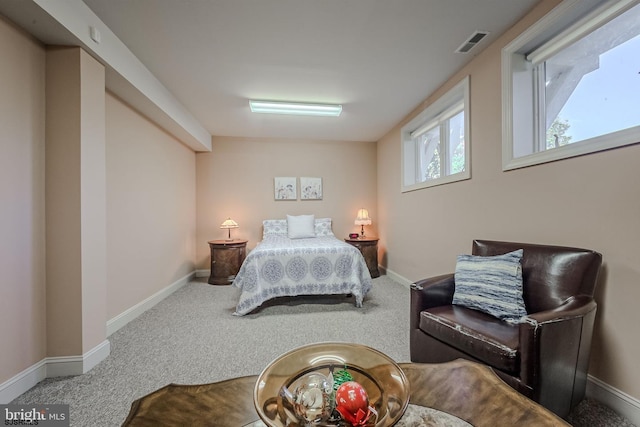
(472, 41)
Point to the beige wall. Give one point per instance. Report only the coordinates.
(75, 202)
(236, 180)
(150, 180)
(589, 201)
(150, 208)
(93, 197)
(22, 238)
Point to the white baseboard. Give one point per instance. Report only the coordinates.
(398, 278)
(623, 404)
(53, 367)
(23, 381)
(127, 316)
(203, 273)
(77, 365)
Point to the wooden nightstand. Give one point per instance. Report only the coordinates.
(368, 246)
(226, 259)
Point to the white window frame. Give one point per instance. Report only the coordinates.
(442, 109)
(539, 42)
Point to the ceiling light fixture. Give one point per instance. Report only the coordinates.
(295, 108)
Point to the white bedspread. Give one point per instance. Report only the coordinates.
(280, 266)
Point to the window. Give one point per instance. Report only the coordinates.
(435, 144)
(572, 92)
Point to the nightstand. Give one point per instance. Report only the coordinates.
(226, 259)
(368, 246)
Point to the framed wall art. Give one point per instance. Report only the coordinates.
(310, 188)
(285, 188)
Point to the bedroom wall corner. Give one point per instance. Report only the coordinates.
(235, 180)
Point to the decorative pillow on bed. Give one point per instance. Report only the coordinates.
(301, 226)
(323, 227)
(492, 284)
(272, 227)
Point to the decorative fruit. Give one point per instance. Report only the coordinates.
(352, 402)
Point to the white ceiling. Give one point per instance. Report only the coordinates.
(378, 58)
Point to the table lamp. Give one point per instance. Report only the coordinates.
(362, 219)
(229, 224)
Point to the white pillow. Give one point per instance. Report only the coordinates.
(323, 227)
(272, 227)
(301, 226)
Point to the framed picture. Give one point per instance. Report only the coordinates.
(310, 188)
(285, 188)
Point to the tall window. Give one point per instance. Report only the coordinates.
(573, 92)
(435, 144)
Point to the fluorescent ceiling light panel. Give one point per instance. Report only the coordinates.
(295, 108)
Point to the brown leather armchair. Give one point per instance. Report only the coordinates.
(546, 358)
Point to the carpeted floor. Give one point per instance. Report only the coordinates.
(191, 338)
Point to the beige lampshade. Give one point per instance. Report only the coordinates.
(363, 217)
(229, 224)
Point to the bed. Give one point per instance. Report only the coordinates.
(300, 255)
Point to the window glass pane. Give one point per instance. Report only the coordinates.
(430, 154)
(434, 143)
(592, 87)
(456, 143)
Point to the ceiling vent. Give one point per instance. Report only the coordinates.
(472, 41)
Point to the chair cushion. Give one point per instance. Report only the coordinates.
(492, 284)
(483, 336)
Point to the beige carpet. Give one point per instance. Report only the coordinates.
(192, 337)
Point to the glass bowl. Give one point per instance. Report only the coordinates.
(385, 383)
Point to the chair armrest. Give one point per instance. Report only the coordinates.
(575, 306)
(543, 332)
(428, 293)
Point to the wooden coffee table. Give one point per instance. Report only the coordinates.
(467, 390)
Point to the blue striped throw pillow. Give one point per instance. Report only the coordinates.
(492, 284)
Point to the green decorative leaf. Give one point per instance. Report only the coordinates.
(340, 377)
